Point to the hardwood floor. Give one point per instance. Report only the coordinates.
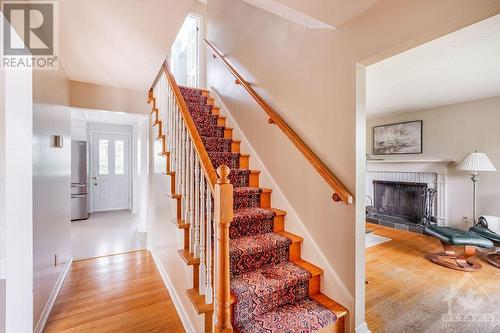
(120, 293)
(407, 293)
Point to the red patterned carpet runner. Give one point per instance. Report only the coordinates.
(272, 294)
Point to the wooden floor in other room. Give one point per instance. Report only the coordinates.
(407, 293)
(119, 293)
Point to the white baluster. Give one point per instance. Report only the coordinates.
(182, 165)
(203, 240)
(188, 181)
(196, 209)
(179, 155)
(170, 127)
(191, 204)
(208, 273)
(185, 172)
(174, 137)
(177, 150)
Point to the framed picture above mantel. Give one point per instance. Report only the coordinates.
(398, 138)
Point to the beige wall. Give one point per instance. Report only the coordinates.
(450, 132)
(93, 96)
(309, 76)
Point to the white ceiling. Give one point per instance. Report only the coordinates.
(119, 43)
(315, 13)
(106, 117)
(459, 67)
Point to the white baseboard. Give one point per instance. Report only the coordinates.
(188, 325)
(52, 299)
(363, 328)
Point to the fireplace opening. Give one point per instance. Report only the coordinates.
(401, 200)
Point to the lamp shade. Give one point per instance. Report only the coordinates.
(476, 162)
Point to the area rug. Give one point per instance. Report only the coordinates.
(372, 240)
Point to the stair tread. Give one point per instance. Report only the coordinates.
(246, 190)
(279, 212)
(306, 316)
(252, 214)
(181, 224)
(314, 270)
(294, 238)
(174, 195)
(198, 301)
(188, 257)
(330, 304)
(269, 279)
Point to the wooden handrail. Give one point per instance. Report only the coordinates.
(340, 191)
(199, 147)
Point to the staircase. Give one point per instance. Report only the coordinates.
(252, 271)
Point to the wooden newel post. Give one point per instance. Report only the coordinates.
(223, 211)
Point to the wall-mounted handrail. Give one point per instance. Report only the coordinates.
(340, 191)
(199, 147)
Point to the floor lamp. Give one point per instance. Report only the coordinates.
(475, 162)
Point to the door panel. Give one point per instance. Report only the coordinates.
(111, 171)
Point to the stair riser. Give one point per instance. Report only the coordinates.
(254, 179)
(213, 131)
(279, 223)
(217, 145)
(232, 161)
(206, 119)
(315, 285)
(265, 200)
(221, 122)
(235, 147)
(246, 201)
(294, 251)
(245, 263)
(239, 179)
(250, 229)
(244, 161)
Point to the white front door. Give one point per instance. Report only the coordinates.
(110, 171)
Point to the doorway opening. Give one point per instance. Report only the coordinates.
(424, 111)
(185, 53)
(109, 161)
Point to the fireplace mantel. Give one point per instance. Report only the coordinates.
(439, 166)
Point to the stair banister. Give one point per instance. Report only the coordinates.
(196, 182)
(340, 191)
(206, 164)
